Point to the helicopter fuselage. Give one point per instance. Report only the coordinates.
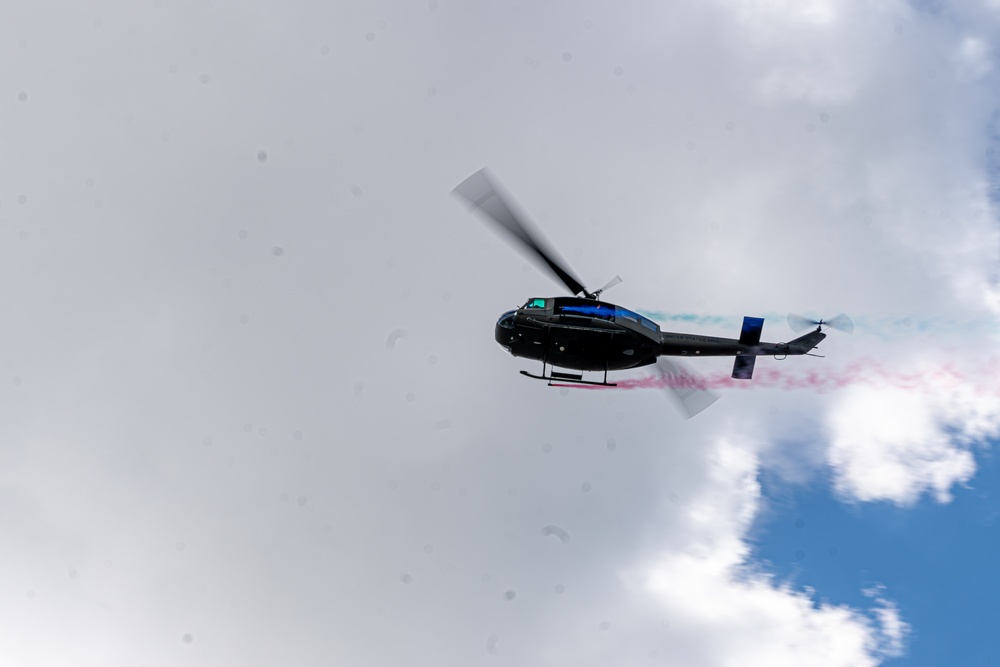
(581, 334)
(589, 335)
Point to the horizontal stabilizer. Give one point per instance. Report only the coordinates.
(743, 366)
(750, 335)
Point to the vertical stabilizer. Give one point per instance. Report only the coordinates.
(743, 366)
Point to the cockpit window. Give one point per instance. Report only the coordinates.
(507, 319)
(535, 303)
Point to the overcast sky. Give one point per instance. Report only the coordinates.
(253, 412)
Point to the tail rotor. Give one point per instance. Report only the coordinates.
(841, 323)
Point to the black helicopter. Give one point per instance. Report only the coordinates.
(582, 333)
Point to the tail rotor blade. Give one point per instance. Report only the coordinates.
(483, 196)
(841, 323)
(799, 323)
(685, 386)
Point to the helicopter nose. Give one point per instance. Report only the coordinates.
(504, 330)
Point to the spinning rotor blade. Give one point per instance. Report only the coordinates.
(483, 196)
(611, 283)
(841, 323)
(685, 386)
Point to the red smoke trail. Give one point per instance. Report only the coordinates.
(868, 372)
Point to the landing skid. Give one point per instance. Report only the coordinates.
(568, 377)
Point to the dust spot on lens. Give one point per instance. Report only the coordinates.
(410, 397)
(22, 199)
(405, 578)
(800, 523)
(394, 336)
(72, 572)
(605, 625)
(370, 36)
(431, 91)
(559, 588)
(188, 638)
(491, 644)
(180, 546)
(302, 500)
(567, 56)
(546, 448)
(442, 424)
(509, 595)
(612, 445)
(324, 50)
(283, 497)
(262, 156)
(585, 487)
(357, 192)
(730, 126)
(359, 388)
(204, 79)
(824, 117)
(556, 531)
(277, 251)
(619, 71)
(22, 96)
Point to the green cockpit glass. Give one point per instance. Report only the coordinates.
(535, 303)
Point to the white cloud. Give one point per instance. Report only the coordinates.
(753, 619)
(973, 59)
(895, 444)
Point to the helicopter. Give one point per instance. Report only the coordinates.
(583, 333)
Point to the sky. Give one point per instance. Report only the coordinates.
(253, 411)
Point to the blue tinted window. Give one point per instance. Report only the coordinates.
(601, 310)
(625, 314)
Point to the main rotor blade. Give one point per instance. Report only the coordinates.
(611, 283)
(483, 196)
(686, 387)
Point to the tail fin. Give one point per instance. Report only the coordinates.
(743, 366)
(803, 344)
